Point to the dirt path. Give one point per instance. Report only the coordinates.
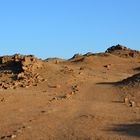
(94, 112)
(74, 100)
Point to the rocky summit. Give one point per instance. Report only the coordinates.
(123, 51)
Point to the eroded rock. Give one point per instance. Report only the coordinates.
(20, 71)
(123, 51)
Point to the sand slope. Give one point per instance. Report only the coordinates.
(87, 97)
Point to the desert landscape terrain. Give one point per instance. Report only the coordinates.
(95, 96)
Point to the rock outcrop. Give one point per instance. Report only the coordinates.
(19, 71)
(123, 51)
(133, 81)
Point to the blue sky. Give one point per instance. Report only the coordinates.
(61, 28)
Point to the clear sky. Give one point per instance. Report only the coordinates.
(60, 28)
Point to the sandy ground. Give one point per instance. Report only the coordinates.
(79, 101)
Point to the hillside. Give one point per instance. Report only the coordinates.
(93, 96)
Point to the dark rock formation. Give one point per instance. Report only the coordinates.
(123, 51)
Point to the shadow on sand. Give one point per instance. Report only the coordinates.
(137, 69)
(110, 83)
(107, 83)
(132, 129)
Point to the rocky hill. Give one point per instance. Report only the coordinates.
(92, 96)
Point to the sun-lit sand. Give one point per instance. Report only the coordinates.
(94, 96)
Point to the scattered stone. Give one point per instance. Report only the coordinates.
(27, 86)
(5, 86)
(21, 76)
(75, 88)
(67, 70)
(43, 111)
(107, 66)
(132, 103)
(54, 86)
(126, 100)
(67, 96)
(82, 68)
(2, 99)
(20, 70)
(35, 84)
(129, 102)
(80, 73)
(13, 136)
(72, 93)
(54, 98)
